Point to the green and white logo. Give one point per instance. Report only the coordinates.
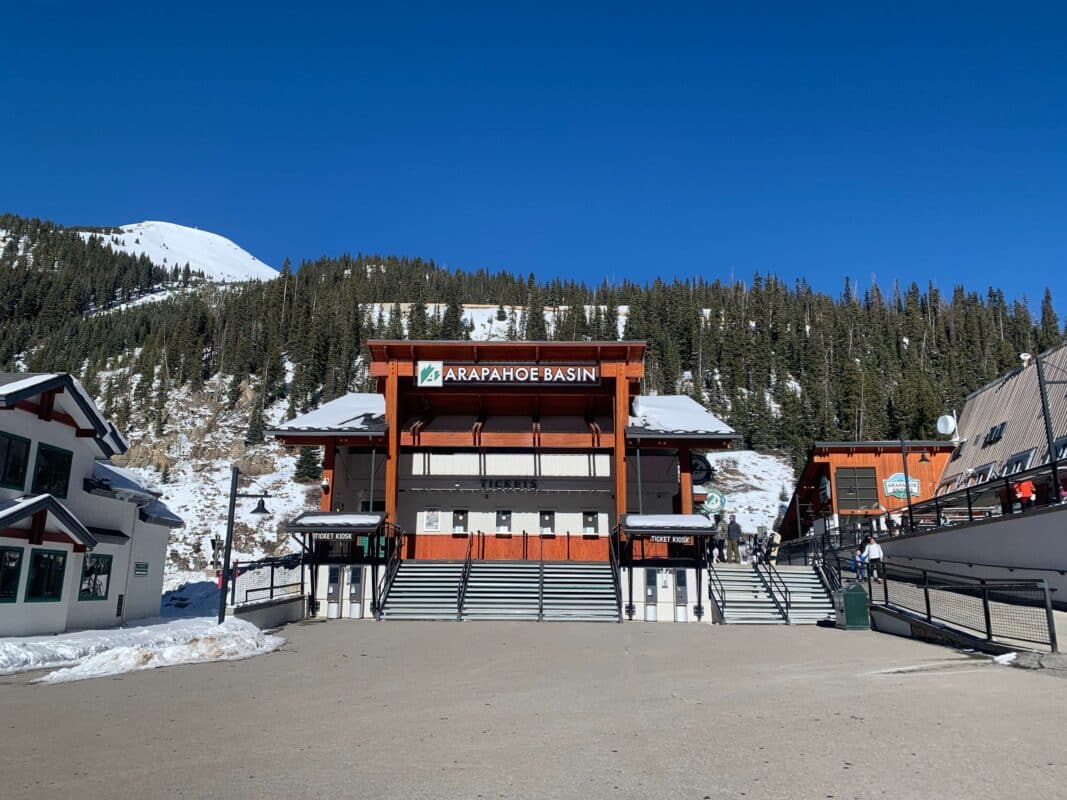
(716, 502)
(429, 373)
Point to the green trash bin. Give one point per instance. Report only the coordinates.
(850, 608)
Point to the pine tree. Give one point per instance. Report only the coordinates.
(308, 465)
(255, 425)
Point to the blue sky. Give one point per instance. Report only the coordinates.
(817, 140)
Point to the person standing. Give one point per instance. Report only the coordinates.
(1024, 493)
(872, 557)
(733, 541)
(720, 538)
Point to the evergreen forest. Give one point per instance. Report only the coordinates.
(783, 364)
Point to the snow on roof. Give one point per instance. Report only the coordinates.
(354, 412)
(327, 520)
(157, 513)
(675, 414)
(122, 482)
(73, 399)
(667, 522)
(13, 511)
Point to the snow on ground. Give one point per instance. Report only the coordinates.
(752, 483)
(168, 245)
(157, 643)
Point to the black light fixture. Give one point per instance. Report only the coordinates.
(924, 458)
(260, 509)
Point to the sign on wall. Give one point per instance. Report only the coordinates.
(435, 374)
(895, 486)
(716, 502)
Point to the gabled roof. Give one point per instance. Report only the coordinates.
(354, 414)
(157, 513)
(14, 511)
(16, 387)
(675, 416)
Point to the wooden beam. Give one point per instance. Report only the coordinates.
(392, 456)
(685, 480)
(329, 457)
(622, 419)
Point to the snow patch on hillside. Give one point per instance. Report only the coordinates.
(752, 483)
(168, 245)
(482, 319)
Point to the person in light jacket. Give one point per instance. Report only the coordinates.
(872, 556)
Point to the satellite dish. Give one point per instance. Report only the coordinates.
(946, 425)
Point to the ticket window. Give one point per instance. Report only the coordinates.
(355, 592)
(548, 522)
(651, 594)
(459, 521)
(333, 592)
(681, 596)
(503, 522)
(590, 522)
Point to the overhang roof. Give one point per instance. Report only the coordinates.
(14, 511)
(693, 524)
(16, 387)
(157, 513)
(674, 416)
(334, 521)
(354, 414)
(888, 444)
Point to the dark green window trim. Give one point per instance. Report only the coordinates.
(90, 559)
(21, 483)
(30, 576)
(51, 489)
(17, 569)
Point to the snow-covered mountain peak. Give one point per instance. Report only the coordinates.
(167, 245)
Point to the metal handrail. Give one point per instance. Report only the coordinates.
(392, 567)
(465, 576)
(541, 582)
(828, 565)
(715, 583)
(774, 583)
(613, 539)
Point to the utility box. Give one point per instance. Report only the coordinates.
(850, 607)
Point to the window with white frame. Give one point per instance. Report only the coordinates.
(1018, 462)
(548, 522)
(947, 485)
(981, 475)
(503, 522)
(1060, 448)
(996, 433)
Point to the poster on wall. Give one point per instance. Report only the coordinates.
(433, 519)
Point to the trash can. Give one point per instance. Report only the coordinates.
(850, 608)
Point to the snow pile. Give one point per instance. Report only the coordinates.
(669, 521)
(1006, 659)
(355, 411)
(90, 654)
(169, 245)
(752, 483)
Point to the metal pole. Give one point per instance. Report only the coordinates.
(640, 488)
(1048, 430)
(373, 459)
(926, 594)
(234, 473)
(1049, 618)
(985, 610)
(970, 505)
(907, 484)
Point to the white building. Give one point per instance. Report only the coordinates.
(82, 542)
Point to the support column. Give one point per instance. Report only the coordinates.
(622, 419)
(392, 438)
(329, 457)
(685, 480)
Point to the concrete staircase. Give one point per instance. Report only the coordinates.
(809, 601)
(424, 590)
(503, 590)
(747, 600)
(580, 591)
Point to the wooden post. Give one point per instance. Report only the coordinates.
(685, 480)
(329, 455)
(392, 433)
(622, 419)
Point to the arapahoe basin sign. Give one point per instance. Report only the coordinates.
(439, 373)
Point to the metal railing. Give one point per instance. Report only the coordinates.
(394, 545)
(541, 584)
(464, 580)
(266, 579)
(776, 587)
(1011, 612)
(715, 585)
(613, 546)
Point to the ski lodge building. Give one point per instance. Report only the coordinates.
(82, 542)
(508, 479)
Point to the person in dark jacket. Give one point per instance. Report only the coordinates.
(733, 541)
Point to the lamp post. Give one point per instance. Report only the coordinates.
(904, 450)
(260, 508)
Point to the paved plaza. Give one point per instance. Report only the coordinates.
(526, 710)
